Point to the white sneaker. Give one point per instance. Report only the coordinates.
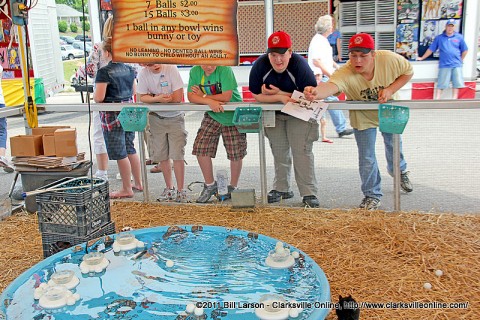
(182, 196)
(168, 195)
(5, 163)
(102, 176)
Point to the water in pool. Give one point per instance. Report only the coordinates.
(179, 269)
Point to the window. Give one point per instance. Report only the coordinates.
(375, 17)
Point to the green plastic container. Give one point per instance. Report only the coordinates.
(393, 119)
(248, 119)
(133, 118)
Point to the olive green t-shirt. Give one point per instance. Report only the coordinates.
(388, 67)
(222, 79)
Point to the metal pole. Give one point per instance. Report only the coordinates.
(143, 167)
(28, 122)
(263, 163)
(396, 171)
(268, 17)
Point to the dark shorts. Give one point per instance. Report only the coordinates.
(119, 143)
(208, 136)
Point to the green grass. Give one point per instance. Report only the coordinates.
(69, 68)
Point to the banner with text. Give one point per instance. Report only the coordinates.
(176, 32)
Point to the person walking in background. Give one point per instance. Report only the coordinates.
(115, 83)
(369, 75)
(215, 86)
(452, 51)
(321, 62)
(273, 78)
(96, 61)
(161, 83)
(4, 162)
(335, 41)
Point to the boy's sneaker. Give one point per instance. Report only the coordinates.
(227, 196)
(311, 201)
(276, 196)
(207, 192)
(370, 203)
(168, 195)
(405, 183)
(182, 196)
(5, 163)
(103, 176)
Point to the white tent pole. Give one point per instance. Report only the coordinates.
(268, 17)
(94, 21)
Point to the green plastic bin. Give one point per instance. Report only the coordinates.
(248, 119)
(133, 118)
(393, 119)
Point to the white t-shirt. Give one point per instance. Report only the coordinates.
(320, 49)
(167, 80)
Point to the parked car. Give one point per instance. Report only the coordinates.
(67, 39)
(80, 77)
(80, 46)
(80, 38)
(70, 53)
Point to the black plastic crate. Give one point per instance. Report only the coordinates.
(76, 211)
(55, 242)
(32, 180)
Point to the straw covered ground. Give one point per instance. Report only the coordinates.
(374, 256)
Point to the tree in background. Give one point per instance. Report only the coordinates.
(76, 4)
(85, 26)
(62, 26)
(73, 27)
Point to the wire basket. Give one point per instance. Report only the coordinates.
(247, 119)
(133, 118)
(393, 119)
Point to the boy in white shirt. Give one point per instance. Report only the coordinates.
(161, 83)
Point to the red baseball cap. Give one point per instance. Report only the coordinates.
(279, 42)
(361, 42)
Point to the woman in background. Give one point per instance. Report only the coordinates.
(4, 162)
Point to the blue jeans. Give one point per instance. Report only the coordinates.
(338, 118)
(367, 160)
(3, 130)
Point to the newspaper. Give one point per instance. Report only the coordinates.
(304, 109)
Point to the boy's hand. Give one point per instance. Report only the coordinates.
(310, 93)
(165, 98)
(216, 106)
(197, 91)
(270, 90)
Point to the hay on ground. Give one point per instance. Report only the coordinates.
(376, 257)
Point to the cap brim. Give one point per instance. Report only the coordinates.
(362, 50)
(277, 50)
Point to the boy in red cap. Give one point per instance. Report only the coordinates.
(369, 75)
(273, 78)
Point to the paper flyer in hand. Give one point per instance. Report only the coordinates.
(303, 109)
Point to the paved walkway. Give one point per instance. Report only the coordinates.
(440, 146)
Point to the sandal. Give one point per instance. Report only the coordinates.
(327, 141)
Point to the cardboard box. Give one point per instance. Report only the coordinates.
(26, 146)
(49, 145)
(66, 142)
(46, 129)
